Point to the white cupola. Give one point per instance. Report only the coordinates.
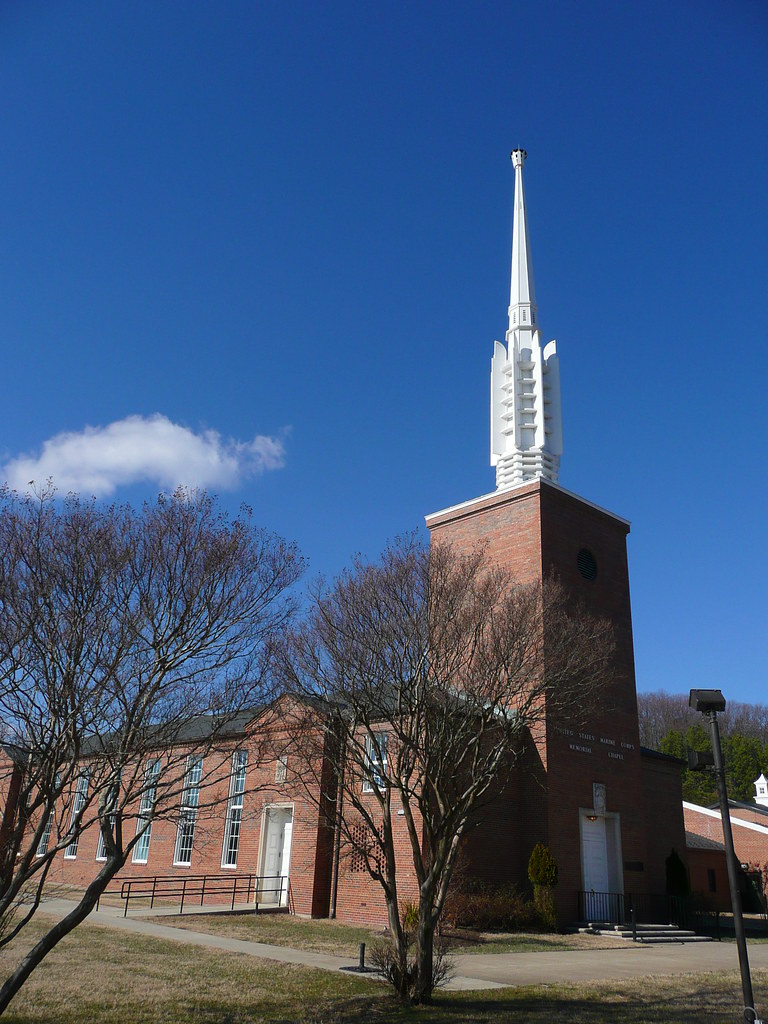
(761, 791)
(526, 421)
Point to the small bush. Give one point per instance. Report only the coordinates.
(486, 907)
(401, 972)
(409, 916)
(542, 873)
(542, 867)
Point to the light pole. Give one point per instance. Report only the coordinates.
(709, 702)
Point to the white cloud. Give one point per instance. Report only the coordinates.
(98, 460)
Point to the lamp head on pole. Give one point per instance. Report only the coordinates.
(706, 700)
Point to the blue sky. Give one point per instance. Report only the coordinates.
(267, 245)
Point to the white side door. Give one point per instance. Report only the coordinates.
(285, 869)
(273, 855)
(594, 860)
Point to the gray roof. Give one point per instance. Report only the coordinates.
(696, 842)
(190, 730)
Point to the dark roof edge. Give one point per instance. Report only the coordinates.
(649, 752)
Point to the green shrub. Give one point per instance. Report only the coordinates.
(542, 873)
(542, 867)
(409, 916)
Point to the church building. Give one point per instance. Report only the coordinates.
(609, 810)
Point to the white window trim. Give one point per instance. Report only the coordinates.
(372, 760)
(190, 799)
(45, 838)
(78, 802)
(101, 849)
(151, 775)
(236, 802)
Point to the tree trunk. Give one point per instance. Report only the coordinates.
(63, 927)
(422, 986)
(401, 948)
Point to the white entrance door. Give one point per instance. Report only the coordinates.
(277, 854)
(286, 865)
(594, 860)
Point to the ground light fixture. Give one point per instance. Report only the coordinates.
(709, 702)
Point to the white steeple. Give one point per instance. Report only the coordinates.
(526, 423)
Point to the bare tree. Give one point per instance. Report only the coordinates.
(132, 644)
(434, 667)
(661, 713)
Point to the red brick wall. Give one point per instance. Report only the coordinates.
(360, 899)
(663, 793)
(310, 846)
(534, 531)
(700, 862)
(10, 785)
(751, 846)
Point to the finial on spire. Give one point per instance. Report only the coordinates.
(526, 429)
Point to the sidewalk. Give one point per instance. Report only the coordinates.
(472, 971)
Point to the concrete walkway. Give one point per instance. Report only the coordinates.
(473, 970)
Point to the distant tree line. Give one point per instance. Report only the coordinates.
(667, 724)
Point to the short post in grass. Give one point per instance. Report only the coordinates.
(361, 965)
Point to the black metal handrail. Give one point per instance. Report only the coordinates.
(187, 887)
(643, 907)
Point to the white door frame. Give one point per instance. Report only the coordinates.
(614, 861)
(262, 855)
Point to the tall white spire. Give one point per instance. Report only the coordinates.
(526, 422)
(522, 296)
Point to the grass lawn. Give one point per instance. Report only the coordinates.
(100, 976)
(324, 936)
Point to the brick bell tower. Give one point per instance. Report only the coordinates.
(589, 801)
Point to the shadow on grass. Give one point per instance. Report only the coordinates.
(715, 1001)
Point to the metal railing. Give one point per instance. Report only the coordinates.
(185, 888)
(643, 907)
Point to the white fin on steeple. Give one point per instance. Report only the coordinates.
(526, 423)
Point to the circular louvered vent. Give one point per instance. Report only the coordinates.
(587, 564)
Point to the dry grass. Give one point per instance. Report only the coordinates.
(324, 936)
(320, 936)
(527, 942)
(691, 999)
(100, 976)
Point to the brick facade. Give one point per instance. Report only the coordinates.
(748, 824)
(310, 852)
(567, 778)
(535, 531)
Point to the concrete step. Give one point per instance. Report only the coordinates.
(646, 928)
(659, 932)
(647, 933)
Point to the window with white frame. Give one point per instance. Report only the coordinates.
(78, 803)
(190, 798)
(45, 838)
(146, 806)
(281, 768)
(376, 760)
(234, 810)
(101, 846)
